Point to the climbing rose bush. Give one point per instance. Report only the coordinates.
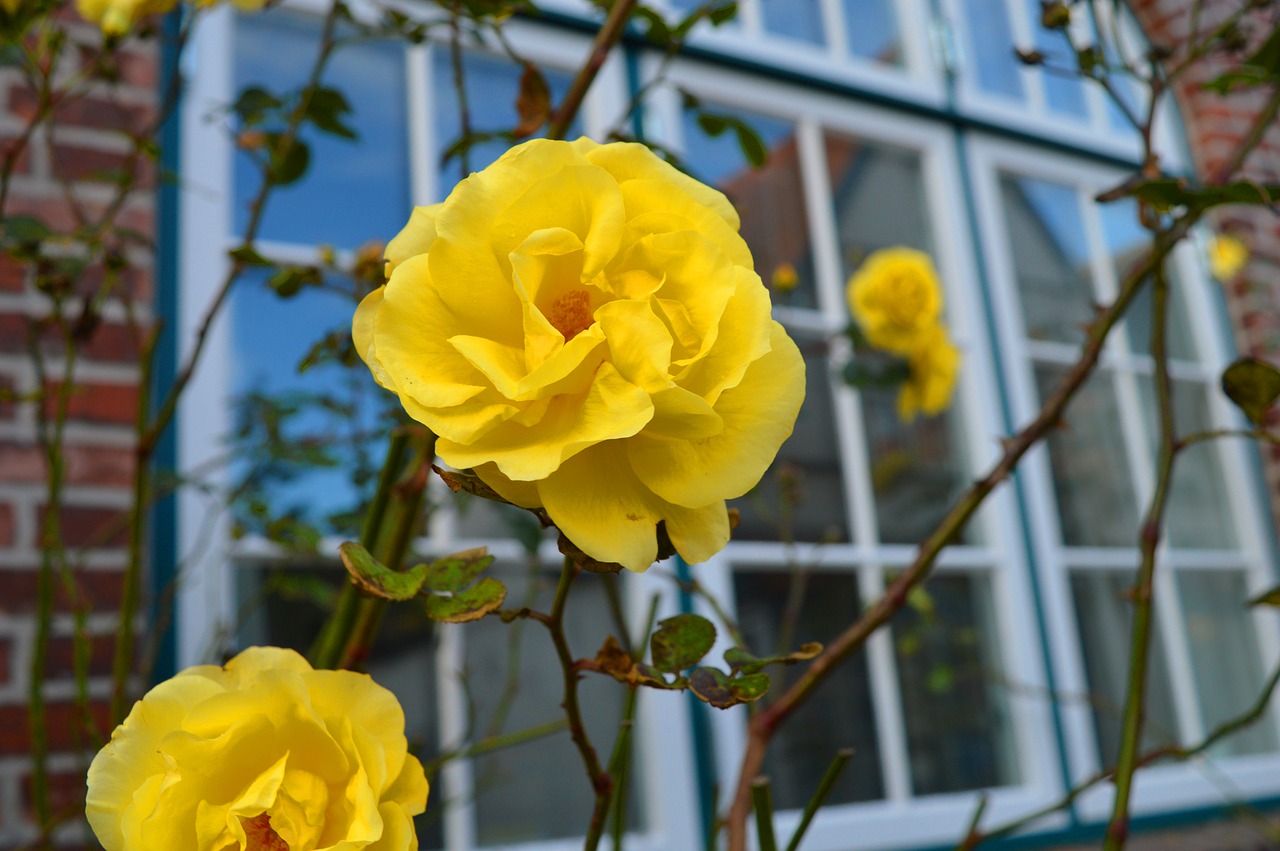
(264, 754)
(582, 325)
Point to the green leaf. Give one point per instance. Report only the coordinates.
(288, 281)
(723, 13)
(454, 572)
(467, 482)
(1267, 56)
(375, 578)
(254, 103)
(656, 29)
(326, 110)
(247, 255)
(753, 147)
(883, 371)
(714, 687)
(680, 642)
(1168, 192)
(288, 163)
(739, 659)
(1246, 76)
(25, 229)
(1267, 598)
(469, 605)
(712, 124)
(1253, 385)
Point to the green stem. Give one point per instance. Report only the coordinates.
(762, 803)
(825, 786)
(1140, 637)
(620, 765)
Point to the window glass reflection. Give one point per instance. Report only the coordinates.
(797, 19)
(1063, 90)
(872, 32)
(991, 48)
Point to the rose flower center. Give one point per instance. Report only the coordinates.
(260, 836)
(571, 313)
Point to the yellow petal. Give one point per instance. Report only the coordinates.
(698, 533)
(415, 238)
(630, 162)
(639, 343)
(742, 338)
(758, 417)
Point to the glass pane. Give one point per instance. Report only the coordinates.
(769, 199)
(1224, 653)
(492, 85)
(1103, 616)
(354, 191)
(284, 604)
(1127, 242)
(798, 19)
(959, 731)
(311, 442)
(871, 30)
(991, 47)
(917, 470)
(1199, 512)
(1091, 476)
(1050, 257)
(1063, 92)
(862, 175)
(514, 683)
(801, 497)
(778, 611)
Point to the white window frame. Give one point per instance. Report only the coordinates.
(205, 598)
(1161, 787)
(898, 821)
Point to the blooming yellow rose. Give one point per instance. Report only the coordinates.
(895, 298)
(264, 754)
(117, 17)
(582, 325)
(934, 364)
(1227, 256)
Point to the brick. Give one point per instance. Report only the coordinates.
(85, 163)
(96, 590)
(60, 657)
(96, 402)
(13, 275)
(91, 526)
(6, 660)
(103, 466)
(86, 111)
(107, 342)
(6, 525)
(66, 794)
(63, 721)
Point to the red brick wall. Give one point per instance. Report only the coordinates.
(98, 455)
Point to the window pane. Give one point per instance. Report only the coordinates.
(801, 497)
(991, 47)
(917, 470)
(769, 199)
(1128, 242)
(1063, 92)
(1091, 476)
(862, 175)
(871, 30)
(312, 441)
(354, 191)
(284, 604)
(778, 611)
(798, 19)
(1050, 257)
(1224, 653)
(1199, 513)
(492, 86)
(1103, 616)
(514, 683)
(959, 731)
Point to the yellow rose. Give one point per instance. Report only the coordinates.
(1227, 256)
(895, 298)
(117, 17)
(934, 364)
(264, 754)
(582, 325)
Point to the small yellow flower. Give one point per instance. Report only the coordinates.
(784, 278)
(117, 17)
(934, 364)
(11, 6)
(582, 325)
(262, 754)
(896, 299)
(1227, 256)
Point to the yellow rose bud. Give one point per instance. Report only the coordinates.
(895, 298)
(934, 364)
(259, 755)
(1227, 256)
(581, 324)
(784, 278)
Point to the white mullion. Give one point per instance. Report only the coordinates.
(832, 18)
(418, 96)
(458, 774)
(1021, 27)
(752, 18)
(886, 696)
(1171, 628)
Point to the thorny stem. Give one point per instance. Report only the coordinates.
(601, 782)
(610, 31)
(1149, 540)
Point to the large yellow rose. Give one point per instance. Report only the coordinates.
(896, 299)
(264, 754)
(934, 364)
(582, 325)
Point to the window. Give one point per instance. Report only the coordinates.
(1004, 666)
